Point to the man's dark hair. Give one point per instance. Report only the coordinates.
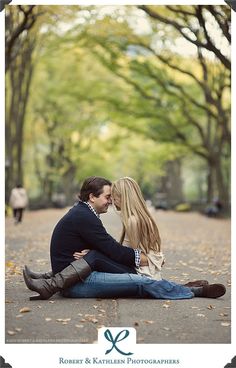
(94, 185)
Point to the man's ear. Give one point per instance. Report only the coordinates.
(91, 197)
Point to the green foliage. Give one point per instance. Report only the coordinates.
(103, 102)
(183, 207)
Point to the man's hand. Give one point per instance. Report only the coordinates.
(79, 255)
(144, 260)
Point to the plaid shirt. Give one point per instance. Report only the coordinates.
(137, 252)
(92, 209)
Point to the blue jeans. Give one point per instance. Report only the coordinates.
(108, 285)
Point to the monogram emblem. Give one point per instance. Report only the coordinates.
(119, 337)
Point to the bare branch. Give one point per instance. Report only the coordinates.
(208, 44)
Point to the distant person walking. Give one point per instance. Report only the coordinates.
(18, 202)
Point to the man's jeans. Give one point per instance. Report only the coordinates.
(109, 285)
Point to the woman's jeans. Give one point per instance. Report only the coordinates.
(109, 285)
(100, 262)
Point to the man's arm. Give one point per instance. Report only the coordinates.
(95, 236)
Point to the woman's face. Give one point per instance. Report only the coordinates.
(116, 200)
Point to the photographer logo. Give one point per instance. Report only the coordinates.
(117, 340)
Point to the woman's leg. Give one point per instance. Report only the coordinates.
(107, 285)
(100, 262)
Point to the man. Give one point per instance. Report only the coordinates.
(81, 228)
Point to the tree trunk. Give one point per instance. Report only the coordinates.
(20, 76)
(222, 188)
(210, 182)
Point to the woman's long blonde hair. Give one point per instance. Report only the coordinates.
(133, 206)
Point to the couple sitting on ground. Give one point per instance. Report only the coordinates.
(88, 263)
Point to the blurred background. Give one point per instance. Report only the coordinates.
(140, 91)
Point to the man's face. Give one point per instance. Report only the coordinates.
(101, 203)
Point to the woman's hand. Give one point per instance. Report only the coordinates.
(144, 260)
(79, 255)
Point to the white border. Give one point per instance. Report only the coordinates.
(39, 355)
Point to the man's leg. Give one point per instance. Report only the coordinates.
(20, 214)
(14, 212)
(107, 285)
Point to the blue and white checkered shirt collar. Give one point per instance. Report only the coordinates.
(92, 209)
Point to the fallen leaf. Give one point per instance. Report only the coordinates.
(48, 319)
(136, 324)
(149, 322)
(165, 306)
(210, 307)
(79, 326)
(225, 324)
(11, 332)
(10, 264)
(25, 310)
(200, 315)
(18, 329)
(223, 314)
(63, 319)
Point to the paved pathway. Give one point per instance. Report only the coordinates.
(195, 247)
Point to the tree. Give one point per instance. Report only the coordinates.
(174, 98)
(23, 25)
(192, 24)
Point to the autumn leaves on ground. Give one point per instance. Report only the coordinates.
(195, 247)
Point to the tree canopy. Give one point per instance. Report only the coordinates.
(114, 91)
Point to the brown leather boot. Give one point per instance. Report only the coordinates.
(209, 291)
(38, 275)
(75, 272)
(197, 283)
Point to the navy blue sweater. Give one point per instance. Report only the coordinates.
(81, 229)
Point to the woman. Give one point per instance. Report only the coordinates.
(139, 228)
(139, 231)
